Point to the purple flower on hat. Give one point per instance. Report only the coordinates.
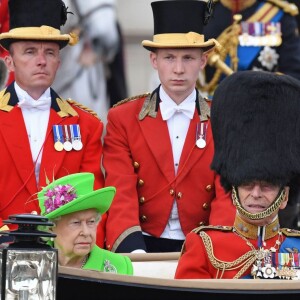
(59, 196)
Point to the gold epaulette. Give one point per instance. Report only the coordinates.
(212, 227)
(287, 7)
(131, 99)
(290, 232)
(83, 107)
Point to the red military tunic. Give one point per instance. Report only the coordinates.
(138, 161)
(207, 250)
(18, 185)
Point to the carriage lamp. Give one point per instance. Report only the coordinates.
(29, 266)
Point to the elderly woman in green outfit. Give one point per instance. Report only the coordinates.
(75, 209)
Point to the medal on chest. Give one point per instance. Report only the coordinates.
(201, 134)
(67, 137)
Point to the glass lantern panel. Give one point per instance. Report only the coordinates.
(31, 274)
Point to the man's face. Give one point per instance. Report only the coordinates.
(76, 233)
(257, 196)
(178, 70)
(34, 64)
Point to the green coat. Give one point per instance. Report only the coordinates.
(106, 261)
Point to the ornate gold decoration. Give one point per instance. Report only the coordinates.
(83, 107)
(261, 215)
(229, 41)
(243, 262)
(131, 99)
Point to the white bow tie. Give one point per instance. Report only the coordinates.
(42, 103)
(167, 110)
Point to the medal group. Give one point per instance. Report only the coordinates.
(270, 264)
(67, 137)
(260, 34)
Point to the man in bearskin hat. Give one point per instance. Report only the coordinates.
(256, 126)
(43, 137)
(158, 147)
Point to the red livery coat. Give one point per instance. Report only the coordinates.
(195, 263)
(138, 161)
(18, 186)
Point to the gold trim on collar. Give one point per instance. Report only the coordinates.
(243, 4)
(149, 106)
(65, 108)
(251, 231)
(4, 99)
(204, 109)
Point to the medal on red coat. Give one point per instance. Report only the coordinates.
(201, 135)
(76, 137)
(58, 137)
(67, 143)
(270, 264)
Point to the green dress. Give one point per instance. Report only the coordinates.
(106, 261)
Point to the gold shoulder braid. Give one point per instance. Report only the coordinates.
(290, 232)
(131, 99)
(244, 262)
(197, 230)
(83, 107)
(212, 227)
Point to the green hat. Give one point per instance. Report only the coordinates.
(74, 193)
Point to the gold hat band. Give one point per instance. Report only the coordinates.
(180, 40)
(39, 33)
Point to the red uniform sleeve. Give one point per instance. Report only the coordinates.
(193, 263)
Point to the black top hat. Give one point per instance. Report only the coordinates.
(255, 118)
(37, 20)
(179, 24)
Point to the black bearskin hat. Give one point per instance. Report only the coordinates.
(255, 119)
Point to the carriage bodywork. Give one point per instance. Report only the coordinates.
(153, 280)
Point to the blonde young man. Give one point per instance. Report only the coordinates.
(158, 147)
